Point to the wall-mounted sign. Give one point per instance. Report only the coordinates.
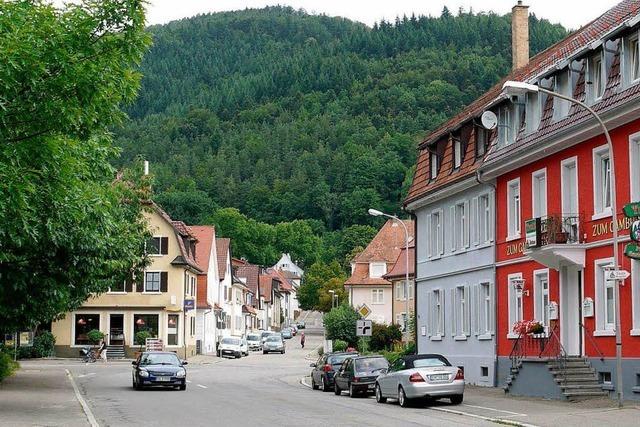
(189, 304)
(587, 307)
(600, 228)
(635, 231)
(532, 233)
(632, 250)
(423, 331)
(631, 209)
(553, 310)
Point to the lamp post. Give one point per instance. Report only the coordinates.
(374, 212)
(333, 298)
(519, 88)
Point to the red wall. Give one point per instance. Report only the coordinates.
(513, 250)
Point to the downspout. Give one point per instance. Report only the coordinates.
(414, 218)
(495, 278)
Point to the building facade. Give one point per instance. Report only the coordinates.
(208, 283)
(403, 295)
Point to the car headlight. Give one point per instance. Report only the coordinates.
(143, 373)
(181, 373)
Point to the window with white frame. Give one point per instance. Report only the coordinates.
(539, 193)
(601, 181)
(437, 313)
(377, 269)
(634, 166)
(485, 309)
(631, 69)
(462, 311)
(484, 223)
(461, 226)
(152, 281)
(605, 298)
(563, 87)
(377, 296)
(457, 153)
(541, 295)
(411, 286)
(400, 291)
(434, 165)
(437, 233)
(595, 74)
(515, 301)
(505, 136)
(635, 296)
(513, 209)
(532, 112)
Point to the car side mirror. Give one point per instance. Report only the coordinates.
(184, 362)
(384, 370)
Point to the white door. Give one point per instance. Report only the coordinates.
(570, 300)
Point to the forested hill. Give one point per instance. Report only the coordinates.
(286, 115)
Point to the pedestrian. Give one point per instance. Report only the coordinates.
(102, 351)
(302, 339)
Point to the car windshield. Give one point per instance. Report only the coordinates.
(231, 341)
(338, 359)
(429, 362)
(371, 364)
(159, 359)
(253, 338)
(273, 338)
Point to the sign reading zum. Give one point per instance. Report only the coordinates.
(363, 328)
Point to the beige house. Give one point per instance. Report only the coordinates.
(397, 276)
(154, 302)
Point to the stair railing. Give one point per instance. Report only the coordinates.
(589, 336)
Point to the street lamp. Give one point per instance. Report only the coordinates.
(334, 298)
(520, 88)
(374, 212)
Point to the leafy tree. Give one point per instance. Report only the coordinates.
(69, 228)
(340, 324)
(384, 336)
(325, 298)
(193, 207)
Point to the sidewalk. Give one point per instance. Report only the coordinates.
(493, 403)
(51, 403)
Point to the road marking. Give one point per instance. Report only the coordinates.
(202, 386)
(480, 417)
(86, 375)
(517, 414)
(189, 381)
(83, 403)
(304, 383)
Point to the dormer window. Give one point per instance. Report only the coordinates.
(595, 77)
(457, 153)
(508, 122)
(532, 112)
(434, 165)
(563, 87)
(631, 67)
(377, 269)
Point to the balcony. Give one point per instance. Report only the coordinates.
(555, 240)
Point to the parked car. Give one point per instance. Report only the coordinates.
(300, 325)
(159, 368)
(265, 334)
(325, 368)
(420, 376)
(254, 341)
(287, 333)
(273, 343)
(230, 346)
(358, 374)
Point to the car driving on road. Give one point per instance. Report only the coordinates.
(230, 346)
(159, 368)
(358, 375)
(420, 376)
(326, 367)
(254, 341)
(287, 333)
(273, 344)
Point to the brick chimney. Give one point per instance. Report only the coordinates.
(520, 35)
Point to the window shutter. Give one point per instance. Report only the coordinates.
(475, 306)
(164, 281)
(140, 283)
(128, 284)
(442, 308)
(467, 314)
(492, 308)
(492, 216)
(441, 240)
(430, 312)
(452, 228)
(164, 245)
(467, 222)
(428, 237)
(452, 291)
(475, 217)
(536, 300)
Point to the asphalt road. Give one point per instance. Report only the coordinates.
(258, 390)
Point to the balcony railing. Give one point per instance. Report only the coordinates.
(554, 229)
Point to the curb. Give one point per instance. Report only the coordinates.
(83, 403)
(491, 419)
(304, 383)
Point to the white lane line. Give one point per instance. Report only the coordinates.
(303, 382)
(86, 375)
(480, 417)
(202, 386)
(189, 381)
(495, 410)
(83, 403)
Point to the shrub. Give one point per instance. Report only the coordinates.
(7, 365)
(391, 356)
(141, 337)
(94, 336)
(410, 348)
(320, 351)
(384, 336)
(25, 352)
(43, 344)
(340, 345)
(340, 324)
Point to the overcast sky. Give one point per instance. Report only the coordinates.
(570, 13)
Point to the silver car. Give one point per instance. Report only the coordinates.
(418, 377)
(273, 343)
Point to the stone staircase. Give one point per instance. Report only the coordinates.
(576, 378)
(115, 352)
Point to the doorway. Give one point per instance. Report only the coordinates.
(116, 329)
(570, 309)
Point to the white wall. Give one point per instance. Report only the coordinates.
(380, 313)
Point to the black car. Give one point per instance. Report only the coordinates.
(325, 368)
(358, 375)
(159, 368)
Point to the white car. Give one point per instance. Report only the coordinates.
(254, 341)
(231, 346)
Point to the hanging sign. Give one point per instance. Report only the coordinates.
(635, 231)
(532, 232)
(632, 250)
(631, 209)
(553, 310)
(587, 307)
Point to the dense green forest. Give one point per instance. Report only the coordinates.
(303, 119)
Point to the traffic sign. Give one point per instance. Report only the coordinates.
(631, 209)
(364, 311)
(616, 274)
(363, 328)
(632, 250)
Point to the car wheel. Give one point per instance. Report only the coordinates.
(183, 387)
(402, 398)
(314, 386)
(352, 392)
(137, 385)
(282, 352)
(379, 397)
(264, 351)
(457, 399)
(336, 389)
(325, 386)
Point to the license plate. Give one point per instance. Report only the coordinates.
(372, 386)
(163, 379)
(440, 377)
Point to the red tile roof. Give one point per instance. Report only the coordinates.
(285, 285)
(201, 301)
(206, 235)
(398, 271)
(266, 287)
(222, 251)
(539, 65)
(250, 273)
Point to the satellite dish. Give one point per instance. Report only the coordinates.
(489, 120)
